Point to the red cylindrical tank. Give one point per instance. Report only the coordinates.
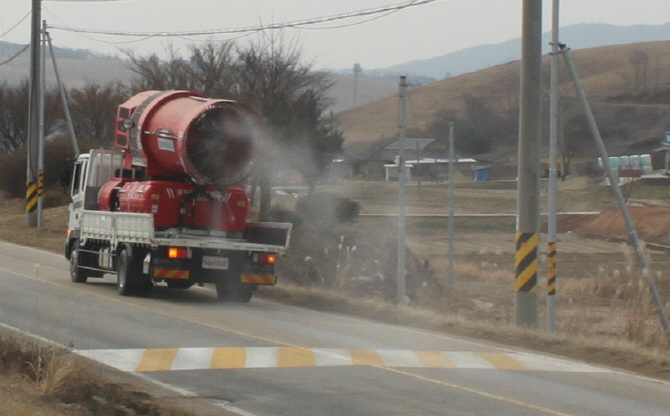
(179, 133)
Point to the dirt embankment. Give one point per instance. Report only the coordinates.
(652, 224)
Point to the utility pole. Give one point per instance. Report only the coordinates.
(553, 180)
(528, 200)
(40, 136)
(450, 225)
(357, 71)
(401, 193)
(34, 116)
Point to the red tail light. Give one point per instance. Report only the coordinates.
(177, 253)
(267, 258)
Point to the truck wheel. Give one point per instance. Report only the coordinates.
(143, 283)
(144, 288)
(126, 274)
(234, 292)
(77, 274)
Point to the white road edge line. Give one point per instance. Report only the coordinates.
(177, 390)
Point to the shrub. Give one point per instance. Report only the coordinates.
(13, 169)
(325, 210)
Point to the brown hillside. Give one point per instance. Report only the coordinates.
(606, 72)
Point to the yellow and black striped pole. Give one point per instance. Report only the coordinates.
(31, 197)
(40, 183)
(551, 286)
(551, 269)
(34, 114)
(528, 184)
(526, 263)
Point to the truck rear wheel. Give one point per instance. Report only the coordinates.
(126, 274)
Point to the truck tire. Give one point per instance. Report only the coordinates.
(77, 274)
(127, 273)
(229, 291)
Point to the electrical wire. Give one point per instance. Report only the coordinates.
(15, 25)
(16, 55)
(295, 24)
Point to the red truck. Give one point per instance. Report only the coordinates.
(168, 205)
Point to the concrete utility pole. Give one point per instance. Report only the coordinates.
(553, 180)
(450, 225)
(357, 72)
(401, 193)
(40, 136)
(528, 202)
(33, 116)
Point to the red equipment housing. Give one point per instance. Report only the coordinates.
(182, 155)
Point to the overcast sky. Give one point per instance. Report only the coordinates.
(417, 32)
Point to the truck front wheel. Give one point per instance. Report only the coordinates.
(77, 274)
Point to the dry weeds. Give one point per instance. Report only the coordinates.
(36, 380)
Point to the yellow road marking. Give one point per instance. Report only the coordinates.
(295, 357)
(159, 359)
(502, 361)
(434, 359)
(366, 357)
(229, 358)
(479, 393)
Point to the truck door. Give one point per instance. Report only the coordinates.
(77, 193)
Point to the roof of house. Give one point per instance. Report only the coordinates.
(410, 143)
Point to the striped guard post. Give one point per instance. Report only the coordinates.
(40, 183)
(31, 197)
(551, 269)
(526, 262)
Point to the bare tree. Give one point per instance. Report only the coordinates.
(13, 116)
(291, 99)
(269, 76)
(161, 74)
(93, 110)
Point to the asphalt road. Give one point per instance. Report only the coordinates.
(264, 358)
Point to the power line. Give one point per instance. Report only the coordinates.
(16, 55)
(15, 25)
(274, 26)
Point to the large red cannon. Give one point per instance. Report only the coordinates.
(183, 154)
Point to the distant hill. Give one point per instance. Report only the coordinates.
(630, 101)
(8, 49)
(75, 66)
(576, 36)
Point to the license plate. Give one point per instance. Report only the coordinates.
(212, 262)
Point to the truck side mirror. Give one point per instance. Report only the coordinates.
(66, 175)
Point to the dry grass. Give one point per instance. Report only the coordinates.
(35, 380)
(593, 348)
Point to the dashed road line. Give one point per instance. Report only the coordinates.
(177, 359)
